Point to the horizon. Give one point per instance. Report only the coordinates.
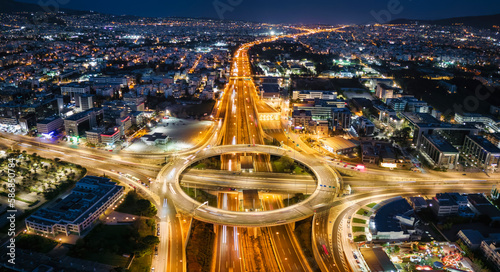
(277, 12)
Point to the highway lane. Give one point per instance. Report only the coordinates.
(159, 156)
(171, 254)
(326, 189)
(229, 255)
(97, 167)
(221, 180)
(23, 142)
(288, 254)
(170, 249)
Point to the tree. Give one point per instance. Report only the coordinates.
(396, 249)
(151, 240)
(142, 249)
(143, 204)
(287, 162)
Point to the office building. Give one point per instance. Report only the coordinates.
(49, 125)
(480, 153)
(383, 92)
(341, 118)
(77, 212)
(439, 152)
(84, 101)
(323, 95)
(444, 205)
(491, 251)
(73, 89)
(77, 124)
(111, 136)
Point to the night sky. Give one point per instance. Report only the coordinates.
(291, 11)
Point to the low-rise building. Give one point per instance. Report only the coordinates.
(301, 119)
(439, 152)
(369, 153)
(341, 118)
(481, 153)
(444, 205)
(110, 137)
(491, 251)
(73, 89)
(480, 205)
(394, 221)
(471, 238)
(90, 198)
(93, 136)
(155, 139)
(302, 95)
(338, 145)
(418, 203)
(49, 125)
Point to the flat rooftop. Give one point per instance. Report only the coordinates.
(385, 220)
(441, 144)
(339, 143)
(377, 259)
(48, 120)
(487, 145)
(420, 118)
(86, 198)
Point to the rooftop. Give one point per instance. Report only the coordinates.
(441, 144)
(487, 145)
(82, 114)
(385, 218)
(474, 236)
(48, 120)
(339, 143)
(377, 259)
(420, 118)
(86, 198)
(155, 136)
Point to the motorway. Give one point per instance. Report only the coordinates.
(171, 242)
(228, 255)
(288, 253)
(269, 182)
(239, 132)
(327, 186)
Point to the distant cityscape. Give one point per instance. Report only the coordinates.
(177, 144)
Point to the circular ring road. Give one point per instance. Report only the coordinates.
(328, 184)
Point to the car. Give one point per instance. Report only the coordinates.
(325, 250)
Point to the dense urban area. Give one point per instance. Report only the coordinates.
(174, 144)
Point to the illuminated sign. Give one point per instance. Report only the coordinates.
(389, 165)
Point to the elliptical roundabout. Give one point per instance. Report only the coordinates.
(327, 187)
